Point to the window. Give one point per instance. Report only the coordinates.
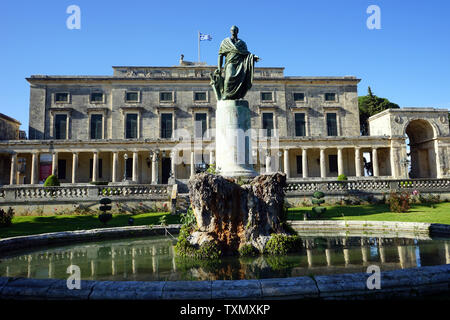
(332, 159)
(166, 96)
(132, 96)
(99, 168)
(266, 96)
(300, 126)
(96, 97)
(299, 165)
(200, 124)
(62, 97)
(199, 96)
(131, 126)
(330, 96)
(129, 168)
(166, 125)
(331, 124)
(96, 126)
(61, 169)
(299, 96)
(267, 123)
(61, 126)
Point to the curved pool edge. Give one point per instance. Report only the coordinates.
(405, 283)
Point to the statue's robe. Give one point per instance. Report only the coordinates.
(238, 68)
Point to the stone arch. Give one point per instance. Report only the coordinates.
(422, 134)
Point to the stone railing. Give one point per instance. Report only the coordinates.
(26, 193)
(367, 186)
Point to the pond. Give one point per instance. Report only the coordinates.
(152, 259)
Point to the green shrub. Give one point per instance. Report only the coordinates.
(188, 219)
(163, 220)
(184, 249)
(318, 200)
(248, 250)
(51, 181)
(104, 217)
(342, 177)
(6, 217)
(399, 202)
(281, 244)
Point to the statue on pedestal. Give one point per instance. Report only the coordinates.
(238, 68)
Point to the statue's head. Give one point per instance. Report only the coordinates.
(234, 31)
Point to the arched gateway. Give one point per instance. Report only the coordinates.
(421, 149)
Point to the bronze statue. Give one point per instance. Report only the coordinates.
(238, 68)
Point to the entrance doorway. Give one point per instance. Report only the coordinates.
(166, 164)
(421, 149)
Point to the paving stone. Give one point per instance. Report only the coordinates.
(24, 288)
(302, 287)
(187, 290)
(236, 289)
(127, 290)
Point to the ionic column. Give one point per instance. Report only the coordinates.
(155, 169)
(115, 166)
(305, 162)
(376, 170)
(54, 163)
(340, 161)
(173, 167)
(135, 177)
(13, 177)
(268, 163)
(323, 167)
(287, 170)
(192, 163)
(95, 166)
(34, 168)
(74, 167)
(358, 162)
(211, 157)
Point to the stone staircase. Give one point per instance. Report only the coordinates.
(183, 202)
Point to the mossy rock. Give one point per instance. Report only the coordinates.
(184, 249)
(248, 251)
(51, 181)
(281, 244)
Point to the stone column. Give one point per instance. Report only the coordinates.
(95, 166)
(173, 162)
(54, 163)
(74, 167)
(376, 170)
(340, 160)
(287, 169)
(192, 163)
(323, 166)
(115, 166)
(211, 157)
(34, 168)
(358, 162)
(268, 163)
(135, 176)
(13, 176)
(394, 162)
(305, 162)
(155, 169)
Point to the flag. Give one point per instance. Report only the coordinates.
(205, 37)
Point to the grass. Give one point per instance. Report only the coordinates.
(27, 225)
(380, 212)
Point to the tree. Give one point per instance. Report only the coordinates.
(370, 105)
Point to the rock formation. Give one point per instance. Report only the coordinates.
(233, 216)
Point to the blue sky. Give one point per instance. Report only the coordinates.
(407, 61)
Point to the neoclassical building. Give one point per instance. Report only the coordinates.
(150, 125)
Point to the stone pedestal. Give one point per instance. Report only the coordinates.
(233, 140)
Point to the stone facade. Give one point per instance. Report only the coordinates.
(80, 124)
(9, 130)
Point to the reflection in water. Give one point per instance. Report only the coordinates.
(150, 259)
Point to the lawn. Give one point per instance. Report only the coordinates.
(418, 213)
(42, 224)
(26, 225)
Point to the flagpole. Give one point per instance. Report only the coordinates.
(199, 46)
